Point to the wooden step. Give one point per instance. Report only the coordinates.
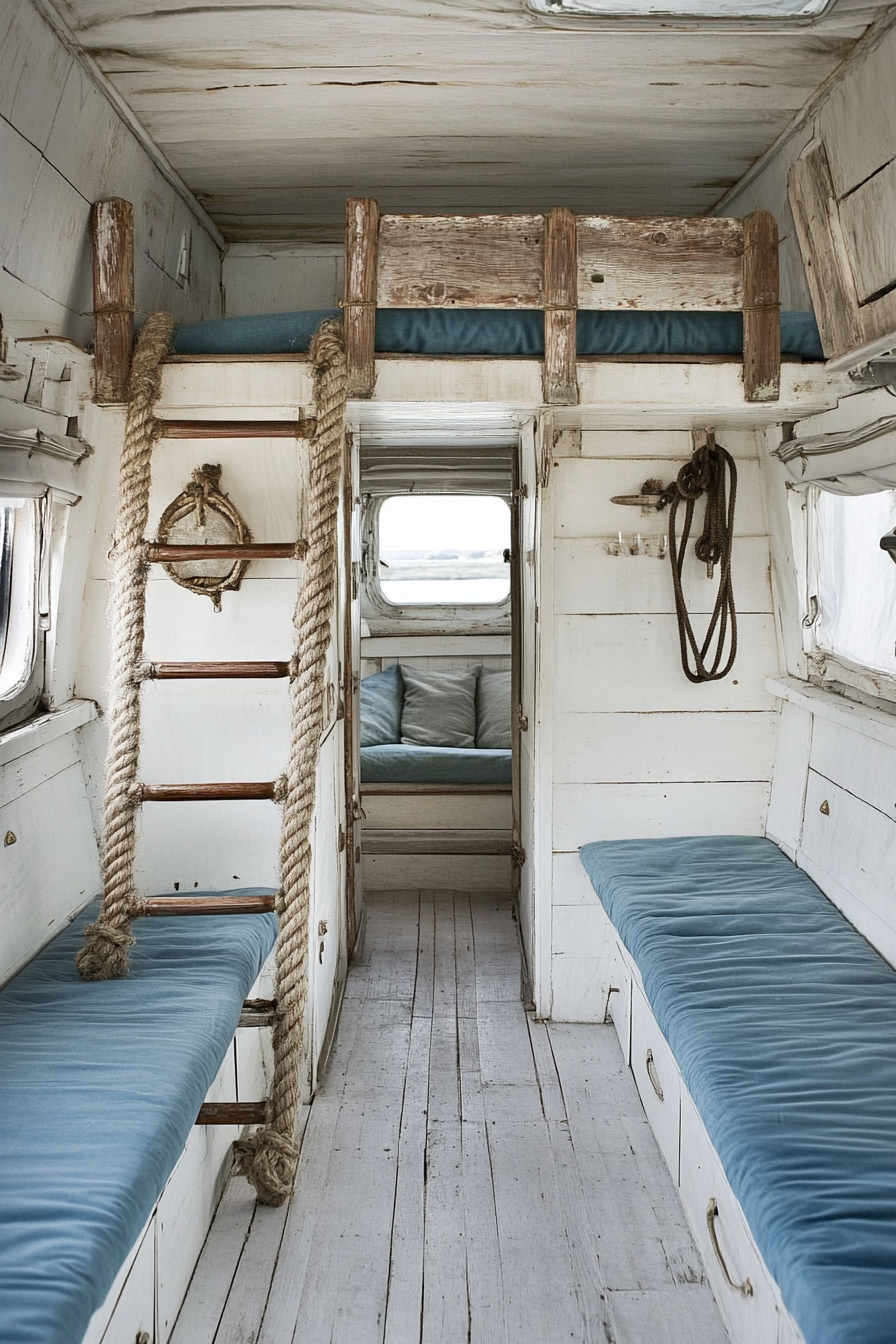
(210, 905)
(254, 550)
(232, 1113)
(201, 793)
(196, 671)
(238, 429)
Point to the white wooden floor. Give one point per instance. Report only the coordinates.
(467, 1173)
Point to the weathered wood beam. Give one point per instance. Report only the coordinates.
(201, 793)
(113, 298)
(560, 302)
(362, 216)
(824, 251)
(209, 905)
(461, 261)
(762, 317)
(237, 429)
(232, 1113)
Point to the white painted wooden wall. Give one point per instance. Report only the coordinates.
(638, 750)
(281, 277)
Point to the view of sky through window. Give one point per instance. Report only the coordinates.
(444, 550)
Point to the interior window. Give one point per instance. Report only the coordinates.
(856, 580)
(444, 550)
(19, 562)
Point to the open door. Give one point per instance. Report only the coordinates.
(351, 690)
(523, 649)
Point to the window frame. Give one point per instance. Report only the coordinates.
(29, 585)
(576, 13)
(442, 613)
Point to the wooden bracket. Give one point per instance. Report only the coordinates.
(237, 429)
(762, 320)
(362, 216)
(232, 1113)
(560, 302)
(209, 905)
(113, 298)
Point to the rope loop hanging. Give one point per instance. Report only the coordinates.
(104, 955)
(711, 471)
(268, 1157)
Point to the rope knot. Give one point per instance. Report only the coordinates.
(268, 1158)
(281, 789)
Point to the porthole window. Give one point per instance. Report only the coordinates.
(443, 550)
(20, 638)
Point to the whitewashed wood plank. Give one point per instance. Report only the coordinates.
(244, 1311)
(279, 389)
(659, 264)
(871, 250)
(20, 164)
(103, 1314)
(210, 1285)
(859, 764)
(663, 445)
(785, 809)
(404, 1299)
(584, 487)
(474, 872)
(487, 811)
(134, 1311)
(651, 748)
(857, 120)
(33, 69)
(444, 1255)
(686, 1314)
(646, 650)
(586, 812)
(52, 243)
(571, 884)
(589, 578)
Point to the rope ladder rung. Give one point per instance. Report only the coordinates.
(303, 428)
(249, 550)
(215, 671)
(209, 905)
(232, 1113)
(200, 793)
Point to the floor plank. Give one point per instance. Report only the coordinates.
(467, 1176)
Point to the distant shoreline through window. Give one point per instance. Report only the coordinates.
(444, 550)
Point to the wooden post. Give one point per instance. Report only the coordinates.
(560, 299)
(113, 298)
(762, 321)
(362, 216)
(825, 254)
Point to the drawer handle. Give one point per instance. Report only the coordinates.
(712, 1212)
(652, 1075)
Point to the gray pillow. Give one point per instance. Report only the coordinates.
(439, 707)
(381, 699)
(493, 710)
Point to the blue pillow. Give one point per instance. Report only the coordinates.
(382, 697)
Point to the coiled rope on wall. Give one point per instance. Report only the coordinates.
(104, 955)
(269, 1156)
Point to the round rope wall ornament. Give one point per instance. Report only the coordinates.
(203, 515)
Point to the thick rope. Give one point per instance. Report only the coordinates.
(711, 471)
(269, 1156)
(104, 955)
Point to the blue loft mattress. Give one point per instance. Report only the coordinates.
(100, 1085)
(782, 1019)
(397, 763)
(496, 332)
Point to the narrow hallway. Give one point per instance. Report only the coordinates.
(467, 1173)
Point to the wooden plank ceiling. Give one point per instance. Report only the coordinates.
(274, 112)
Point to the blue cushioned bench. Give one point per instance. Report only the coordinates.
(401, 763)
(783, 1022)
(100, 1085)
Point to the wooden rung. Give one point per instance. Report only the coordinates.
(210, 905)
(258, 1013)
(255, 550)
(196, 793)
(195, 671)
(238, 429)
(232, 1113)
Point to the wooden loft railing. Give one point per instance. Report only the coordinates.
(560, 263)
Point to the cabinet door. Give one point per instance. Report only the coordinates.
(619, 1001)
(658, 1079)
(740, 1281)
(134, 1313)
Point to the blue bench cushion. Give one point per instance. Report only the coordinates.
(400, 763)
(100, 1085)
(496, 332)
(783, 1021)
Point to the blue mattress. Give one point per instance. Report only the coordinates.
(396, 763)
(495, 332)
(100, 1085)
(782, 1019)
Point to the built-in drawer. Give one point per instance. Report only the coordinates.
(619, 999)
(742, 1285)
(658, 1079)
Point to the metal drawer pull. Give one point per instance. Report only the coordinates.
(712, 1212)
(651, 1074)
